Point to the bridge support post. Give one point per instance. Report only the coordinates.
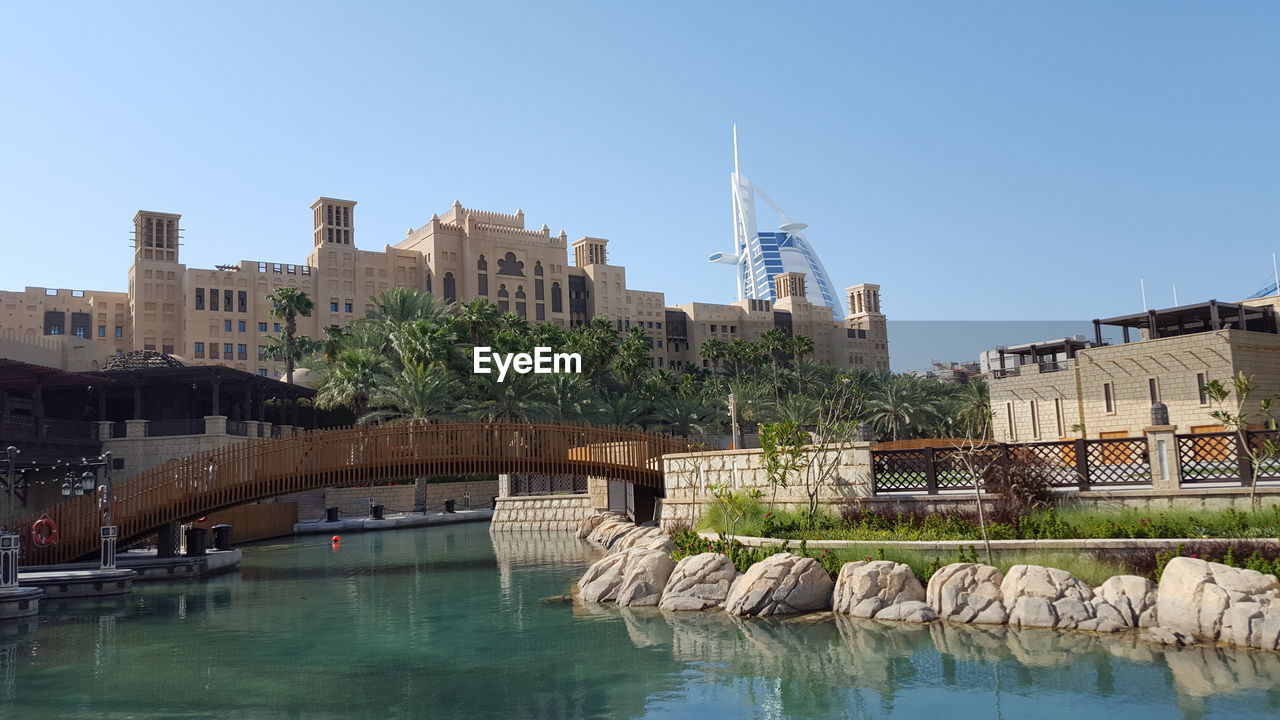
(109, 536)
(504, 485)
(9, 549)
(167, 540)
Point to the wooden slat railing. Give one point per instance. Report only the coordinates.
(183, 490)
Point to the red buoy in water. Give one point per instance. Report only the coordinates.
(337, 539)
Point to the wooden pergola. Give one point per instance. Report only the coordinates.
(1189, 319)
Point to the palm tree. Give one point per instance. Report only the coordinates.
(801, 346)
(354, 377)
(287, 303)
(400, 305)
(520, 398)
(899, 407)
(803, 410)
(715, 350)
(973, 410)
(570, 395)
(478, 320)
(418, 392)
(633, 356)
(623, 409)
(775, 343)
(685, 415)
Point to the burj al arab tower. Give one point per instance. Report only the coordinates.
(759, 256)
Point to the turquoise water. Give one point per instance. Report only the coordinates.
(444, 623)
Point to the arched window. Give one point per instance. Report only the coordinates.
(519, 292)
(481, 264)
(428, 282)
(537, 268)
(557, 305)
(509, 265)
(450, 289)
(502, 291)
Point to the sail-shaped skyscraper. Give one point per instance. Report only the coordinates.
(759, 256)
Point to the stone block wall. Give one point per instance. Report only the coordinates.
(482, 491)
(689, 477)
(540, 512)
(355, 501)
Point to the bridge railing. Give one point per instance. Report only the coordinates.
(182, 490)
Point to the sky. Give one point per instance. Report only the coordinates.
(978, 160)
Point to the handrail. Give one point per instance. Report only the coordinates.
(181, 490)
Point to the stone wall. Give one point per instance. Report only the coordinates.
(689, 477)
(355, 501)
(482, 492)
(540, 512)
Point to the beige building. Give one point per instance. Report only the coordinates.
(1074, 388)
(222, 316)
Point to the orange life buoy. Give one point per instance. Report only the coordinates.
(44, 532)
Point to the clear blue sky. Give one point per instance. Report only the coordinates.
(979, 160)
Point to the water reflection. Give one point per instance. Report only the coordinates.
(453, 623)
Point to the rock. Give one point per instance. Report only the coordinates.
(608, 525)
(914, 611)
(645, 578)
(699, 582)
(967, 593)
(1167, 636)
(611, 532)
(1044, 597)
(602, 579)
(780, 584)
(634, 537)
(588, 524)
(864, 588)
(1210, 601)
(1133, 598)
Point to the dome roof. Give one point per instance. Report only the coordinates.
(306, 378)
(139, 359)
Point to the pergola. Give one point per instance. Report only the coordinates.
(1044, 354)
(1198, 318)
(170, 392)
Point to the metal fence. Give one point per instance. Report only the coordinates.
(1081, 464)
(1222, 457)
(529, 484)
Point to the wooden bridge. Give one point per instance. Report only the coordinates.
(183, 490)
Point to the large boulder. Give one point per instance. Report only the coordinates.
(588, 524)
(611, 531)
(603, 579)
(780, 584)
(1133, 598)
(646, 575)
(967, 593)
(638, 536)
(1214, 602)
(699, 582)
(1045, 597)
(866, 589)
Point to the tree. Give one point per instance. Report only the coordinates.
(519, 398)
(355, 376)
(714, 349)
(287, 303)
(775, 343)
(835, 429)
(683, 415)
(801, 346)
(782, 448)
(478, 321)
(633, 356)
(899, 406)
(416, 393)
(1235, 419)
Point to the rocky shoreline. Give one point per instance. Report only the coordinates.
(1196, 601)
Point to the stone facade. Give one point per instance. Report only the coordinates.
(221, 316)
(1109, 389)
(689, 477)
(540, 512)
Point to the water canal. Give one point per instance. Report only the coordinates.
(445, 623)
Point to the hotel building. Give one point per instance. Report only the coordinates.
(221, 316)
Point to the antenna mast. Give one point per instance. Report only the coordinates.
(735, 151)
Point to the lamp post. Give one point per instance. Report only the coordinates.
(733, 421)
(11, 459)
(85, 484)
